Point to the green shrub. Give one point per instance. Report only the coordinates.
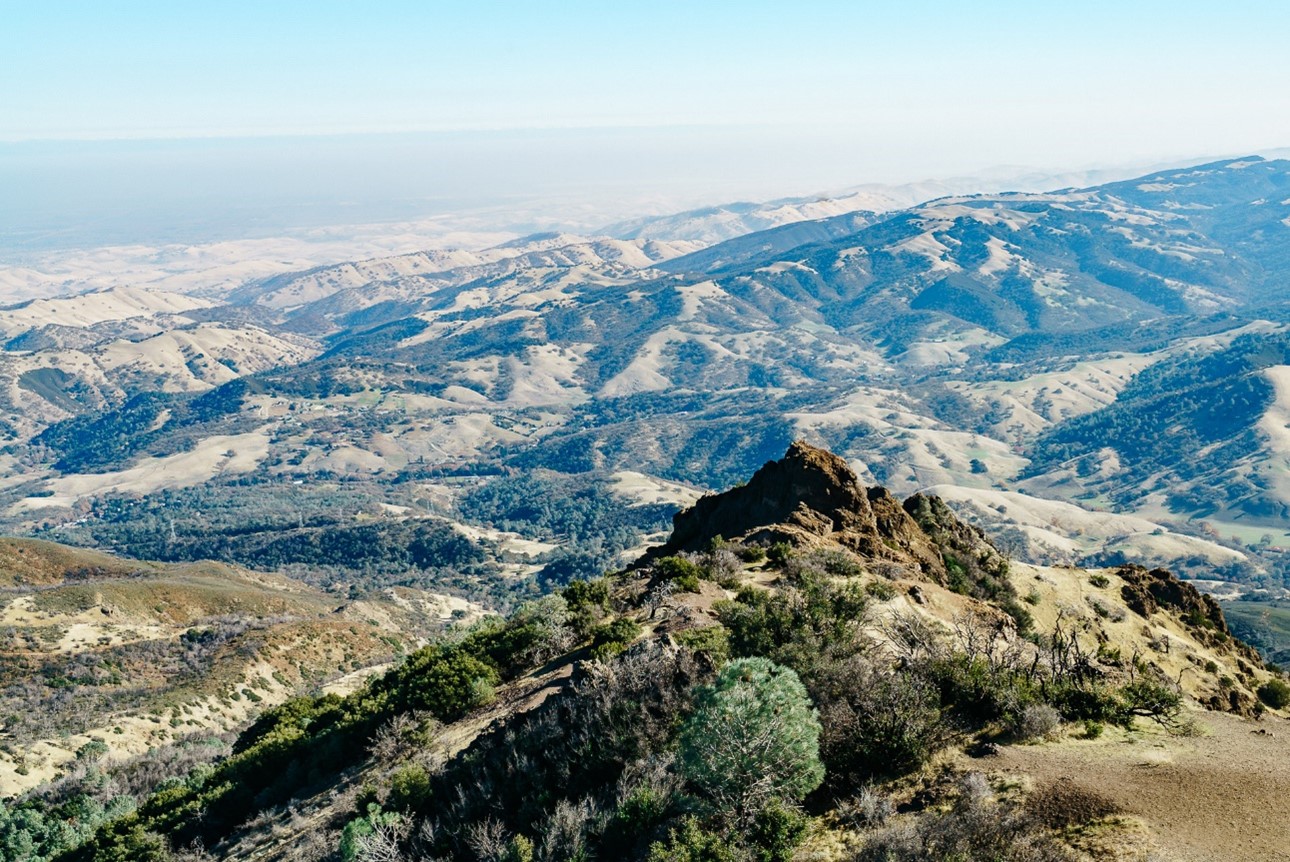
(1151, 699)
(361, 827)
(409, 787)
(1100, 580)
(776, 833)
(1275, 693)
(588, 604)
(876, 723)
(519, 850)
(1013, 608)
(637, 816)
(712, 640)
(1092, 702)
(799, 624)
(958, 576)
(977, 692)
(838, 563)
(609, 639)
(442, 680)
(679, 571)
(880, 590)
(779, 553)
(691, 842)
(1093, 729)
(752, 739)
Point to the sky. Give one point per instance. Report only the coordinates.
(266, 109)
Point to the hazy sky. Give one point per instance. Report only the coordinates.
(610, 98)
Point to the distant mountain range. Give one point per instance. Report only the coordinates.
(1098, 373)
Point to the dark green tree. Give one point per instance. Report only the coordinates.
(753, 739)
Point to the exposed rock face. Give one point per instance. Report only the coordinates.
(965, 551)
(811, 496)
(808, 490)
(1145, 592)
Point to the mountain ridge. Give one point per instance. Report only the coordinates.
(611, 679)
(946, 344)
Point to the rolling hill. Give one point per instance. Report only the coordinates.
(992, 342)
(138, 655)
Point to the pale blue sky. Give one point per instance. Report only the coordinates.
(178, 69)
(718, 99)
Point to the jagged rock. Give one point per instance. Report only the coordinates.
(1145, 592)
(808, 491)
(811, 496)
(965, 551)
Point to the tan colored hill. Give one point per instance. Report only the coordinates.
(138, 654)
(35, 563)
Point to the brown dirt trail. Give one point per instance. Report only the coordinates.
(1221, 797)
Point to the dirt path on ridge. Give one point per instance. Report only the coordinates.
(1221, 797)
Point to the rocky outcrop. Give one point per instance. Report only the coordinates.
(1145, 592)
(973, 565)
(811, 497)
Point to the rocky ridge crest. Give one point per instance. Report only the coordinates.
(812, 497)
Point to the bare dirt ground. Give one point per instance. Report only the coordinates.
(1221, 797)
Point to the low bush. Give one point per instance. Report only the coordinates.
(1275, 693)
(683, 574)
(876, 724)
(868, 809)
(776, 833)
(802, 623)
(881, 591)
(1151, 699)
(779, 553)
(588, 604)
(1036, 721)
(976, 829)
(691, 842)
(609, 639)
(713, 641)
(1091, 702)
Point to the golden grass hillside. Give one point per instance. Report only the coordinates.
(139, 654)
